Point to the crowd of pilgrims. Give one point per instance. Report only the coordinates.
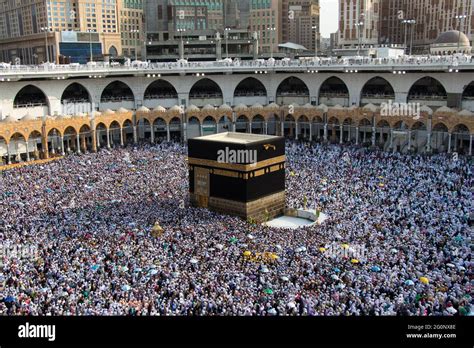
(89, 219)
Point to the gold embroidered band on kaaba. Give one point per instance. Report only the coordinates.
(236, 166)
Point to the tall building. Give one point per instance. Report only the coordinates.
(385, 21)
(69, 28)
(266, 22)
(73, 30)
(196, 29)
(300, 23)
(433, 17)
(132, 29)
(359, 22)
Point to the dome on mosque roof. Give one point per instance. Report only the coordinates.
(452, 37)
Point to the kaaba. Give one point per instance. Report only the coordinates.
(238, 174)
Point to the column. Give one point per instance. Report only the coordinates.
(391, 138)
(373, 135)
(168, 137)
(409, 139)
(310, 131)
(53, 149)
(108, 138)
(152, 134)
(78, 143)
(364, 137)
(62, 146)
(94, 140)
(381, 136)
(135, 135)
(341, 134)
(296, 130)
(233, 122)
(250, 127)
(428, 136)
(121, 137)
(282, 128)
(449, 142)
(185, 134)
(201, 129)
(357, 135)
(44, 141)
(266, 127)
(83, 143)
(325, 132)
(8, 154)
(349, 133)
(470, 145)
(27, 151)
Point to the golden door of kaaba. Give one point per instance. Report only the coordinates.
(201, 185)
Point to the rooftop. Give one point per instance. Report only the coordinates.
(236, 138)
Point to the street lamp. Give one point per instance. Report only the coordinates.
(460, 18)
(137, 36)
(359, 26)
(90, 31)
(226, 34)
(46, 30)
(315, 28)
(181, 31)
(272, 30)
(406, 22)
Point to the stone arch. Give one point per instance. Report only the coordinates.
(428, 91)
(468, 97)
(440, 137)
(250, 91)
(17, 147)
(376, 91)
(461, 138)
(206, 91)
(273, 124)
(117, 92)
(242, 124)
(162, 92)
(127, 130)
(224, 124)
(290, 126)
(69, 140)
(30, 95)
(292, 90)
(113, 52)
(85, 138)
(334, 91)
(175, 128)
(115, 133)
(101, 134)
(159, 128)
(75, 93)
(258, 124)
(209, 125)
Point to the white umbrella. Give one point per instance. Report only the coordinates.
(278, 246)
(219, 246)
(249, 236)
(193, 261)
(264, 270)
(126, 287)
(450, 265)
(451, 310)
(284, 278)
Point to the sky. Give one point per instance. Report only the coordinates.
(329, 16)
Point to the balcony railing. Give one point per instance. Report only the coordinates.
(98, 69)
